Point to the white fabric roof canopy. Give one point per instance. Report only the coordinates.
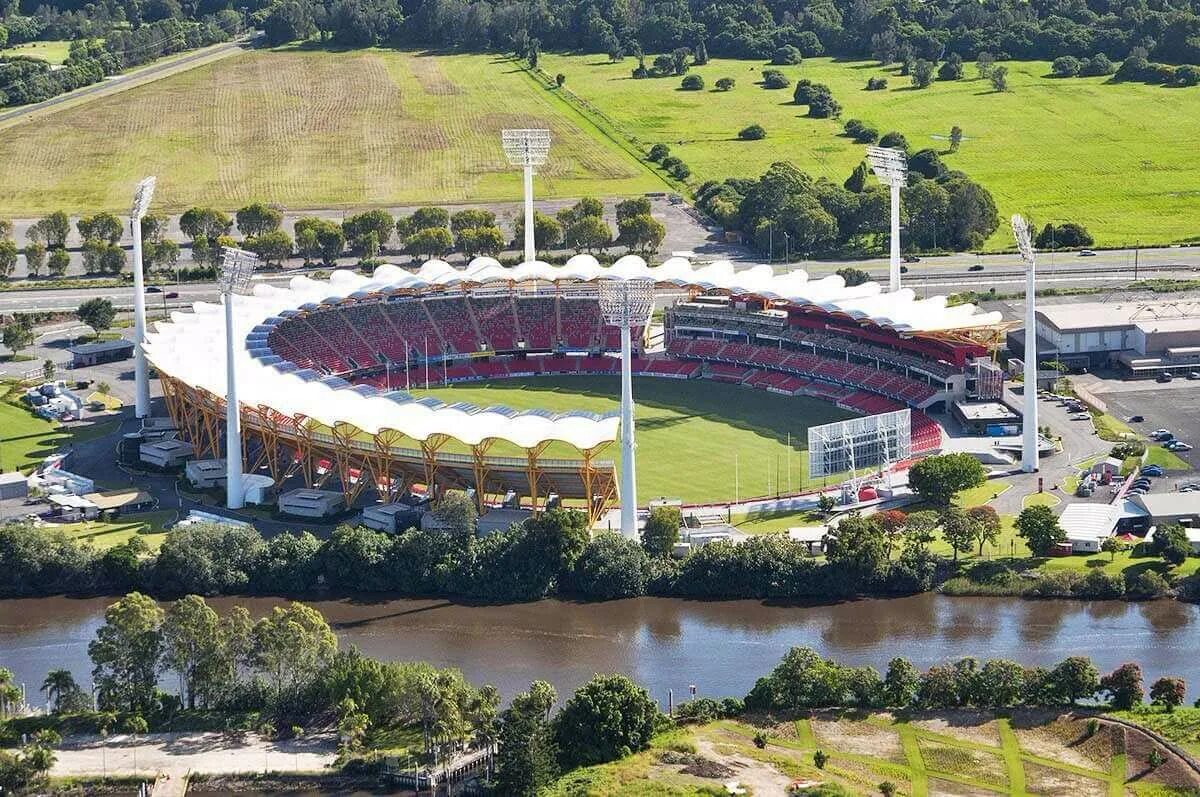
(191, 346)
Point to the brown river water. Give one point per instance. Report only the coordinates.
(721, 647)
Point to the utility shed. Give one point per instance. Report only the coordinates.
(165, 453)
(392, 518)
(13, 485)
(305, 502)
(1086, 525)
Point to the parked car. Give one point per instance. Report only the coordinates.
(1086, 253)
(976, 267)
(1161, 434)
(1165, 376)
(1080, 416)
(1136, 419)
(1193, 374)
(153, 289)
(1178, 445)
(911, 259)
(1153, 470)
(1137, 491)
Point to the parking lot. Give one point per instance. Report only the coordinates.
(1176, 409)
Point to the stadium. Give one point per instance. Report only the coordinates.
(357, 383)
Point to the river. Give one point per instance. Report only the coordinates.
(721, 647)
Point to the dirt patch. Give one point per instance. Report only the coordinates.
(979, 764)
(1173, 772)
(860, 738)
(433, 80)
(1066, 739)
(948, 788)
(761, 778)
(1047, 780)
(697, 765)
(972, 726)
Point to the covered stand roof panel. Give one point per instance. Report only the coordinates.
(191, 348)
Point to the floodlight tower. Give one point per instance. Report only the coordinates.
(1029, 448)
(626, 304)
(527, 148)
(891, 167)
(141, 203)
(237, 266)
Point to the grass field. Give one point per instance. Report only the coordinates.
(1118, 158)
(25, 439)
(966, 753)
(106, 534)
(54, 52)
(310, 129)
(693, 437)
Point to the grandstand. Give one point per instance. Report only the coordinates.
(323, 362)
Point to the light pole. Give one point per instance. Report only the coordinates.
(1029, 448)
(891, 167)
(237, 266)
(141, 203)
(626, 304)
(527, 148)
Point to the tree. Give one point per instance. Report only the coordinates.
(1168, 692)
(958, 529)
(547, 232)
(273, 246)
(858, 544)
(1171, 543)
(8, 257)
(662, 530)
(126, 653)
(1113, 545)
(1038, 526)
(774, 79)
(1073, 679)
(52, 229)
(938, 478)
(100, 227)
(607, 718)
(986, 525)
(290, 645)
(358, 229)
(692, 83)
(191, 644)
(481, 241)
(610, 567)
(894, 140)
(853, 276)
(471, 218)
(96, 313)
(18, 335)
(63, 692)
(984, 64)
(526, 759)
(318, 238)
(1065, 66)
(35, 256)
(786, 55)
(1124, 686)
(999, 684)
(658, 152)
(951, 68)
(701, 57)
(642, 233)
(900, 683)
(956, 137)
(999, 78)
(59, 262)
(725, 84)
(587, 233)
(922, 73)
(421, 219)
(256, 218)
(48, 370)
(857, 180)
(754, 132)
(207, 223)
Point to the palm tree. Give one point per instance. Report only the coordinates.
(59, 684)
(10, 693)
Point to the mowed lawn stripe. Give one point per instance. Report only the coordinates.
(310, 128)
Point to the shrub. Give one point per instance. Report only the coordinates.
(786, 55)
(1097, 66)
(1066, 66)
(876, 84)
(754, 132)
(774, 79)
(670, 162)
(725, 84)
(894, 140)
(681, 171)
(820, 757)
(658, 152)
(692, 83)
(1146, 585)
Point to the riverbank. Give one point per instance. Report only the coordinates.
(668, 643)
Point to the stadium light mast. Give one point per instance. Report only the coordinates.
(626, 304)
(141, 203)
(891, 167)
(1029, 447)
(527, 148)
(237, 266)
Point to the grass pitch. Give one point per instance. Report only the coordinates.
(53, 52)
(696, 438)
(1116, 157)
(310, 128)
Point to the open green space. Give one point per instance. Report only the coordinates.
(969, 753)
(105, 534)
(54, 52)
(310, 128)
(1116, 157)
(1167, 460)
(25, 439)
(697, 440)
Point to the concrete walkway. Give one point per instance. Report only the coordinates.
(178, 754)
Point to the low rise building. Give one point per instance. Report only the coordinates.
(991, 418)
(1086, 525)
(120, 502)
(305, 502)
(13, 485)
(392, 518)
(165, 454)
(1175, 507)
(204, 474)
(105, 351)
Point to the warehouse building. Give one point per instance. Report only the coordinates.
(1142, 339)
(308, 503)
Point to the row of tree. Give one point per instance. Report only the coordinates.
(757, 29)
(805, 680)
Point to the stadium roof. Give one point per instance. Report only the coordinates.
(190, 347)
